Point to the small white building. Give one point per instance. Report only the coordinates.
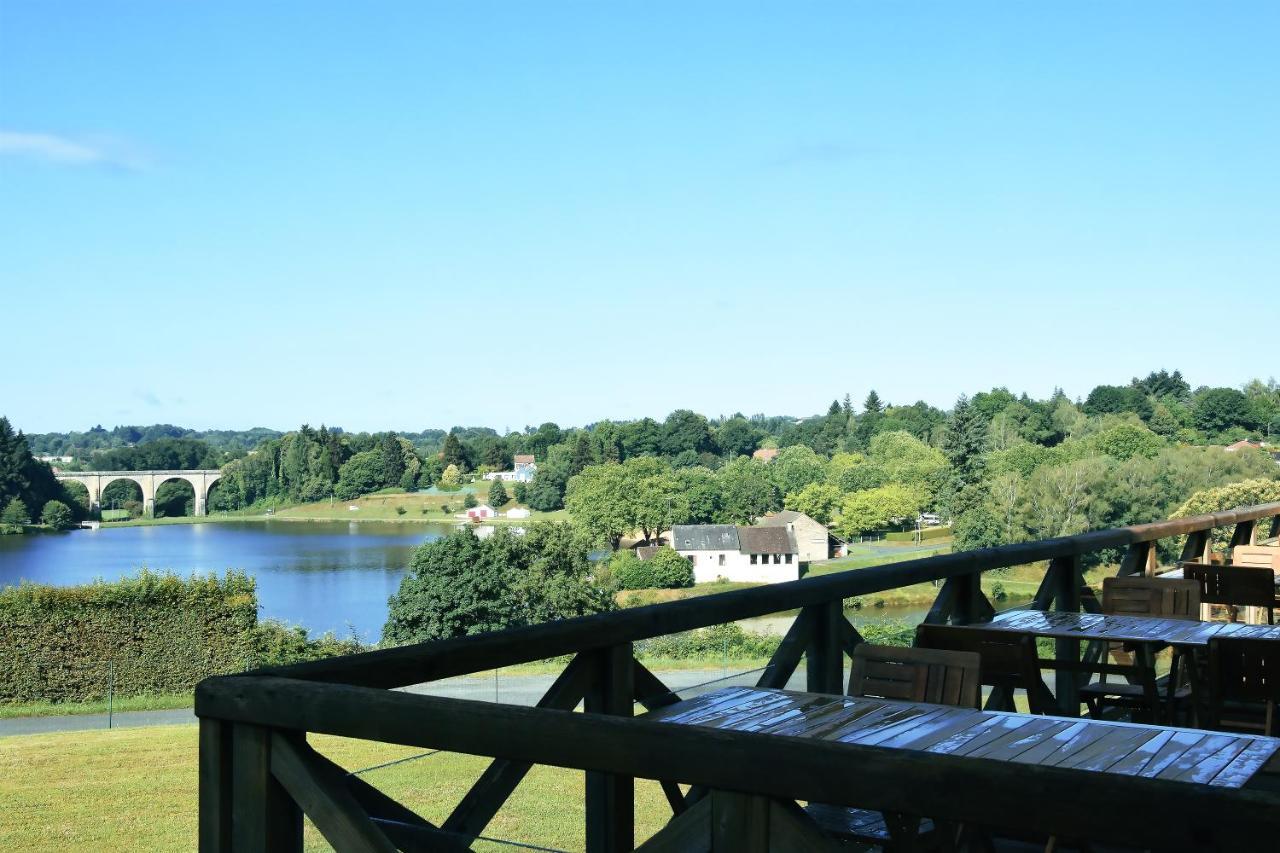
(755, 554)
(476, 513)
(517, 512)
(523, 471)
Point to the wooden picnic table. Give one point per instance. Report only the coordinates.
(1085, 745)
(1125, 629)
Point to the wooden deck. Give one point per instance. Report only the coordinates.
(1093, 746)
(743, 768)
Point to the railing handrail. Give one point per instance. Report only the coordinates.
(942, 786)
(434, 660)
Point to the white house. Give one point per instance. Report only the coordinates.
(523, 472)
(757, 554)
(811, 537)
(476, 513)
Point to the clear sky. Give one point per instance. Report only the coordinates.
(421, 214)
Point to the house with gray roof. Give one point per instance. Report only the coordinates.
(757, 554)
(812, 539)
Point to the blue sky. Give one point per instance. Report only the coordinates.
(402, 215)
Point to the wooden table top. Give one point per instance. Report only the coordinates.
(1125, 629)
(1126, 749)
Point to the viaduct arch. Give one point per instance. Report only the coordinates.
(95, 481)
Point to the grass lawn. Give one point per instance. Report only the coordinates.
(135, 789)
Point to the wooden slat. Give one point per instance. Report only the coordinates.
(610, 797)
(324, 797)
(785, 660)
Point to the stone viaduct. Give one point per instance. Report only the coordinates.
(95, 481)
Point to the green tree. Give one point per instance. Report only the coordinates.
(1218, 409)
(1117, 399)
(361, 474)
(461, 585)
(393, 461)
(498, 495)
(796, 467)
(450, 477)
(469, 501)
(966, 443)
(876, 509)
(902, 458)
(1126, 440)
(737, 437)
(816, 500)
(15, 513)
(452, 453)
(685, 430)
(747, 491)
(57, 515)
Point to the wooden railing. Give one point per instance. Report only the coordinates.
(258, 775)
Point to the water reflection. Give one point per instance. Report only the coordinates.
(326, 576)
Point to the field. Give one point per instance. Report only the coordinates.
(135, 789)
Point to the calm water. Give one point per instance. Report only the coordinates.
(326, 576)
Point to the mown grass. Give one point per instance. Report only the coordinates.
(135, 789)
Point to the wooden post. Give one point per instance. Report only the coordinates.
(1066, 599)
(824, 667)
(263, 815)
(1197, 547)
(1243, 534)
(215, 786)
(610, 799)
(1137, 559)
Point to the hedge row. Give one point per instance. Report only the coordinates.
(161, 633)
(925, 535)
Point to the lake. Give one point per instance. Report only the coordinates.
(326, 576)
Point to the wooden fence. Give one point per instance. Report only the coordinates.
(258, 775)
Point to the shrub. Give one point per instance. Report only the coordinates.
(278, 644)
(468, 501)
(57, 515)
(16, 513)
(520, 491)
(162, 633)
(716, 641)
(664, 570)
(400, 510)
(670, 570)
(498, 495)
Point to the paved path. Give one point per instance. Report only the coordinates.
(513, 689)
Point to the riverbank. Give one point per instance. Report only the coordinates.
(394, 507)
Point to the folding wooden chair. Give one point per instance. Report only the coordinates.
(1138, 596)
(911, 675)
(1235, 586)
(1008, 662)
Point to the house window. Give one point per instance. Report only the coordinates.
(788, 559)
(753, 559)
(722, 559)
(777, 558)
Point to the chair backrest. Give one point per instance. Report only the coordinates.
(916, 675)
(1174, 599)
(1243, 586)
(1008, 658)
(1267, 556)
(1245, 671)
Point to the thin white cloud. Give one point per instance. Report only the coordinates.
(65, 151)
